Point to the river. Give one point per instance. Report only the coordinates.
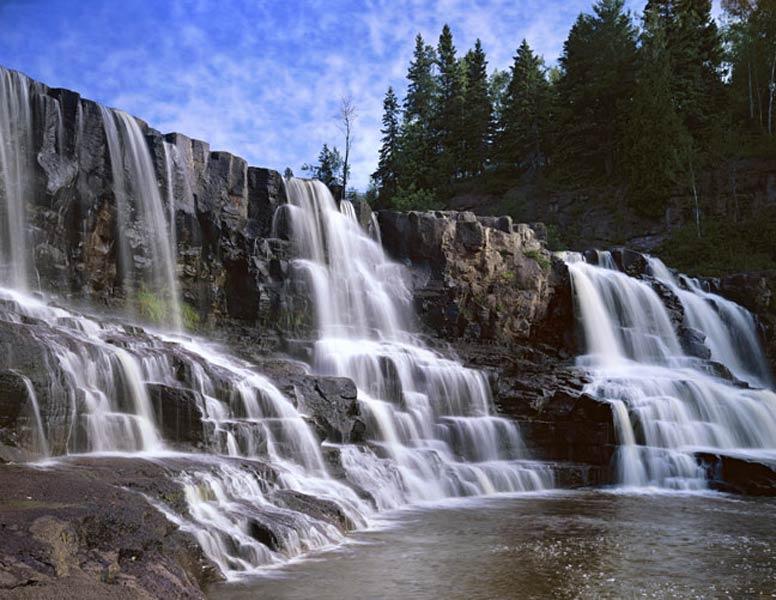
(558, 545)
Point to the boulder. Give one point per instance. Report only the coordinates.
(332, 405)
(739, 474)
(178, 414)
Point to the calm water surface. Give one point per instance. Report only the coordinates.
(569, 545)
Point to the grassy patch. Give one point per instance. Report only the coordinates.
(723, 247)
(540, 258)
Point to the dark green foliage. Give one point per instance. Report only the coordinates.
(329, 167)
(724, 247)
(477, 122)
(524, 125)
(449, 119)
(630, 123)
(415, 199)
(656, 144)
(751, 36)
(387, 174)
(695, 54)
(417, 142)
(598, 74)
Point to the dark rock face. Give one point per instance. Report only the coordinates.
(557, 420)
(223, 213)
(757, 293)
(332, 404)
(178, 414)
(739, 475)
(80, 531)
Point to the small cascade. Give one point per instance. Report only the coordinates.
(146, 244)
(666, 404)
(41, 443)
(17, 156)
(730, 329)
(430, 418)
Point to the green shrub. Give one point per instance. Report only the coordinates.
(190, 317)
(413, 199)
(151, 308)
(540, 258)
(723, 247)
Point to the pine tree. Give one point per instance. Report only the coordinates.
(449, 117)
(387, 176)
(417, 143)
(478, 112)
(329, 169)
(525, 119)
(596, 84)
(695, 51)
(656, 142)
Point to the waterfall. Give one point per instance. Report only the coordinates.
(668, 405)
(730, 330)
(256, 451)
(146, 247)
(429, 416)
(16, 177)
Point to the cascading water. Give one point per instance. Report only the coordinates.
(16, 161)
(255, 479)
(146, 246)
(259, 448)
(730, 329)
(668, 405)
(430, 417)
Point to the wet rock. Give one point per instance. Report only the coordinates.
(331, 403)
(694, 343)
(178, 414)
(69, 534)
(739, 474)
(631, 262)
(318, 508)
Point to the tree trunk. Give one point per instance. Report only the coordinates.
(345, 166)
(695, 198)
(771, 93)
(751, 99)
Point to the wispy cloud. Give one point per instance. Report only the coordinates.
(261, 79)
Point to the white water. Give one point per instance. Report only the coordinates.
(667, 405)
(428, 415)
(731, 333)
(258, 445)
(16, 162)
(146, 245)
(41, 443)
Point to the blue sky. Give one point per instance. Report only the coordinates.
(261, 79)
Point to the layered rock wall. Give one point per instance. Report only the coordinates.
(228, 265)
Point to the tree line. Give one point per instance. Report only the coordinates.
(646, 107)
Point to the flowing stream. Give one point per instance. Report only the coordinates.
(668, 404)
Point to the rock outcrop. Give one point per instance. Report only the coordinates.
(478, 278)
